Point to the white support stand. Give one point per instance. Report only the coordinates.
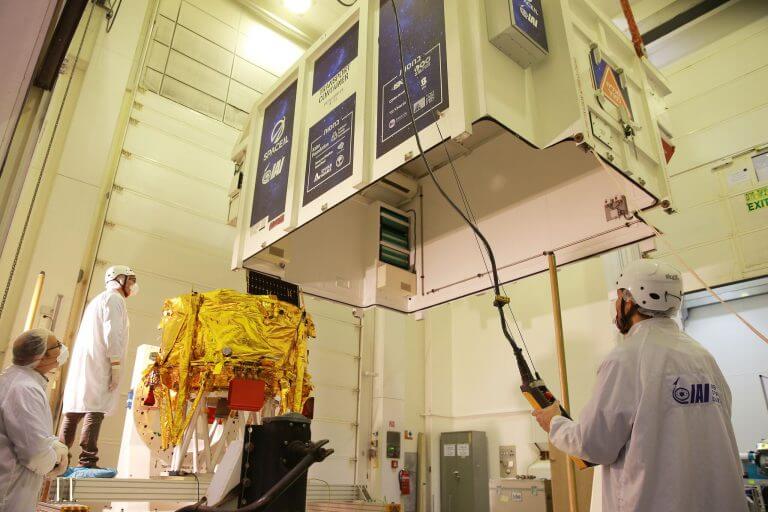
(228, 425)
(136, 459)
(195, 445)
(205, 433)
(181, 450)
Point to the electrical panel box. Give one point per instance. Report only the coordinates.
(464, 472)
(516, 27)
(507, 461)
(393, 445)
(520, 495)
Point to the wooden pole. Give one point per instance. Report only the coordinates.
(34, 304)
(560, 344)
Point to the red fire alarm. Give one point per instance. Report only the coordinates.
(246, 394)
(394, 463)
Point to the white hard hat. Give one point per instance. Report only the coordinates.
(118, 270)
(655, 287)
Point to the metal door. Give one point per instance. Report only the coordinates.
(463, 472)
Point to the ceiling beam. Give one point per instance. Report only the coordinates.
(289, 30)
(681, 19)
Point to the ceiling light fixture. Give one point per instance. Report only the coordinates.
(298, 6)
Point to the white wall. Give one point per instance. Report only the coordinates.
(742, 357)
(397, 394)
(474, 380)
(334, 366)
(717, 113)
(66, 209)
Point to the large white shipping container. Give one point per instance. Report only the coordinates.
(538, 115)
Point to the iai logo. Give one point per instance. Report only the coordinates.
(273, 171)
(699, 393)
(277, 131)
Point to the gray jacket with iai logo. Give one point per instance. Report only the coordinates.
(659, 422)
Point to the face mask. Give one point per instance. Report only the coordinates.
(63, 355)
(134, 290)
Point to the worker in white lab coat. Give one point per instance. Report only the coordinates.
(659, 421)
(28, 448)
(94, 373)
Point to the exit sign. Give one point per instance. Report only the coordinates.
(757, 199)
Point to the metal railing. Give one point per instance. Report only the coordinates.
(178, 490)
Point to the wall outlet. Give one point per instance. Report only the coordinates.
(507, 461)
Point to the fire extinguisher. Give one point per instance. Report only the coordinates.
(404, 477)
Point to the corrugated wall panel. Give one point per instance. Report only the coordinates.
(334, 365)
(167, 219)
(716, 113)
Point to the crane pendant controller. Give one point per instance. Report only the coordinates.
(537, 394)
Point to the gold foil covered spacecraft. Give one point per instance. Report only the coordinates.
(210, 338)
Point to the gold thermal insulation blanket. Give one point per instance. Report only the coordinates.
(211, 338)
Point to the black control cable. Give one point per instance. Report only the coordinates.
(473, 217)
(500, 300)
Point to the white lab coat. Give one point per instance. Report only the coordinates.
(102, 339)
(28, 448)
(659, 422)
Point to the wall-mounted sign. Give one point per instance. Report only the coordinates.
(422, 29)
(609, 81)
(760, 162)
(737, 177)
(529, 18)
(757, 199)
(273, 167)
(330, 147)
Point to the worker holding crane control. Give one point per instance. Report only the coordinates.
(659, 420)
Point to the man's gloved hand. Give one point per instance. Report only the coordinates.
(544, 416)
(114, 378)
(62, 452)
